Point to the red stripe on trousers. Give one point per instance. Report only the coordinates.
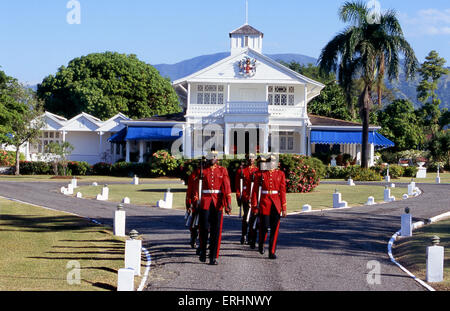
(275, 238)
(220, 235)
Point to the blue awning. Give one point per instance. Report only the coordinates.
(153, 133)
(348, 137)
(119, 137)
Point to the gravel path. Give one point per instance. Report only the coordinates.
(326, 250)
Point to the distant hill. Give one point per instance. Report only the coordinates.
(187, 67)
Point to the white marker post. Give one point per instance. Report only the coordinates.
(133, 249)
(370, 201)
(406, 221)
(168, 199)
(438, 178)
(411, 188)
(125, 280)
(435, 262)
(387, 195)
(74, 183)
(306, 208)
(337, 202)
(119, 221)
(387, 178)
(135, 180)
(350, 182)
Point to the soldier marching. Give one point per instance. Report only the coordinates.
(260, 193)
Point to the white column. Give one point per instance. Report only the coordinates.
(141, 151)
(120, 151)
(100, 145)
(265, 142)
(127, 158)
(358, 154)
(188, 100)
(372, 155)
(114, 158)
(64, 136)
(227, 139)
(303, 139)
(305, 109)
(187, 148)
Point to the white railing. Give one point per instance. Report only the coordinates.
(247, 108)
(256, 108)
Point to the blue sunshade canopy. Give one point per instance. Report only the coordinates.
(119, 137)
(348, 137)
(153, 133)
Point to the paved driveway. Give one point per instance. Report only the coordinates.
(327, 250)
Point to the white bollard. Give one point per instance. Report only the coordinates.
(126, 200)
(392, 185)
(63, 190)
(387, 178)
(435, 262)
(74, 183)
(168, 199)
(69, 189)
(411, 188)
(387, 195)
(350, 182)
(135, 180)
(438, 178)
(406, 222)
(119, 221)
(306, 208)
(105, 193)
(133, 254)
(125, 280)
(370, 201)
(161, 204)
(79, 195)
(94, 184)
(337, 202)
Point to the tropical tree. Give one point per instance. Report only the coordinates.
(104, 84)
(367, 49)
(431, 71)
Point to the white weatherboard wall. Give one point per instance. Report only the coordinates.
(86, 146)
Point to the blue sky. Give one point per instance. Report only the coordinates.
(36, 38)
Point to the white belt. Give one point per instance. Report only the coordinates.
(269, 192)
(211, 191)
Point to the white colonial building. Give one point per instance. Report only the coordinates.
(243, 103)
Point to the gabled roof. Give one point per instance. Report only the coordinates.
(111, 125)
(246, 30)
(316, 86)
(93, 120)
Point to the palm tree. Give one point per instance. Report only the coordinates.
(367, 50)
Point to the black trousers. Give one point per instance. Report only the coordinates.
(245, 225)
(272, 221)
(210, 223)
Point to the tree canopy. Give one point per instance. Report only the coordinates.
(104, 84)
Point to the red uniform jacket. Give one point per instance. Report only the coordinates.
(217, 182)
(274, 180)
(192, 190)
(248, 171)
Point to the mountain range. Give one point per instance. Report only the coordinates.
(403, 89)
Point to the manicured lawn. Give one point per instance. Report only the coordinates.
(430, 179)
(81, 179)
(320, 198)
(37, 244)
(411, 252)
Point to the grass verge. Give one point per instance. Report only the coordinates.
(411, 252)
(320, 198)
(41, 248)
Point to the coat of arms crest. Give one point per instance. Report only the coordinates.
(247, 67)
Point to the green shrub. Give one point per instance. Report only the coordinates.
(78, 168)
(124, 169)
(102, 169)
(432, 167)
(366, 174)
(163, 164)
(410, 171)
(35, 168)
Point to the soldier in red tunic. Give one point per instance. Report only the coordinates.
(215, 198)
(243, 185)
(269, 202)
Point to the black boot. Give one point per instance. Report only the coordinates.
(202, 256)
(261, 249)
(213, 262)
(272, 256)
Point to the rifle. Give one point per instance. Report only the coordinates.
(241, 188)
(200, 191)
(251, 191)
(259, 201)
